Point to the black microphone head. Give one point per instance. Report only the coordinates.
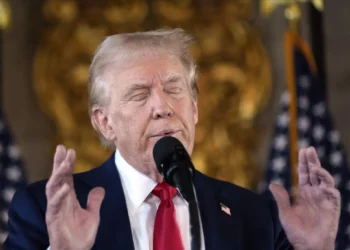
(164, 149)
(169, 152)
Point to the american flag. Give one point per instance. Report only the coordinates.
(314, 128)
(11, 174)
(225, 209)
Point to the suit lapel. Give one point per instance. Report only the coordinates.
(114, 231)
(221, 231)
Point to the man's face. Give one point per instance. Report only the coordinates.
(150, 98)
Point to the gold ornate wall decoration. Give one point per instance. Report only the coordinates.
(234, 74)
(5, 15)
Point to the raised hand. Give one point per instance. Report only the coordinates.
(70, 226)
(312, 222)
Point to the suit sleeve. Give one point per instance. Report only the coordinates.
(27, 227)
(281, 241)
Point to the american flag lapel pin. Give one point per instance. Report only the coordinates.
(225, 209)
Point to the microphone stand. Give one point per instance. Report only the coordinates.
(183, 183)
(174, 163)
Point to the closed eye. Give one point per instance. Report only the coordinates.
(136, 92)
(173, 90)
(139, 97)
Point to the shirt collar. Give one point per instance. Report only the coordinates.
(136, 185)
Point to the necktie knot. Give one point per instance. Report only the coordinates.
(164, 191)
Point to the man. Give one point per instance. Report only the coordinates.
(143, 87)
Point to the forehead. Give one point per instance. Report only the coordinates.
(148, 68)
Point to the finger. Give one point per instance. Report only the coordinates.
(59, 157)
(312, 157)
(57, 179)
(70, 159)
(315, 181)
(324, 177)
(303, 170)
(95, 198)
(54, 205)
(313, 163)
(71, 156)
(333, 195)
(281, 197)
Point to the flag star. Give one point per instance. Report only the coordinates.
(318, 132)
(304, 123)
(8, 194)
(13, 173)
(285, 98)
(278, 181)
(303, 143)
(304, 81)
(281, 142)
(283, 120)
(4, 217)
(336, 158)
(3, 236)
(334, 136)
(337, 180)
(14, 152)
(278, 164)
(303, 102)
(320, 151)
(319, 109)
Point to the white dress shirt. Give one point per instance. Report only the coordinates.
(142, 207)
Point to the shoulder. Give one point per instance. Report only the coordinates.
(242, 198)
(227, 188)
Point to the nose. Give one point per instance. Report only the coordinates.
(161, 106)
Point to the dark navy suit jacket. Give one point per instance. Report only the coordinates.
(253, 224)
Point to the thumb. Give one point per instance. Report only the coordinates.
(95, 198)
(281, 196)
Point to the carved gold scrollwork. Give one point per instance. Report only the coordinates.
(234, 77)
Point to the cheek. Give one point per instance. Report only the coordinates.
(131, 123)
(188, 114)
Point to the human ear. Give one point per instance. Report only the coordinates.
(102, 122)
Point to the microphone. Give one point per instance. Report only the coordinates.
(174, 163)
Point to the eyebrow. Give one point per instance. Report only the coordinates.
(136, 86)
(172, 78)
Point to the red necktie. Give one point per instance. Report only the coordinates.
(166, 235)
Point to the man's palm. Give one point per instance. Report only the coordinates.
(69, 225)
(312, 221)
